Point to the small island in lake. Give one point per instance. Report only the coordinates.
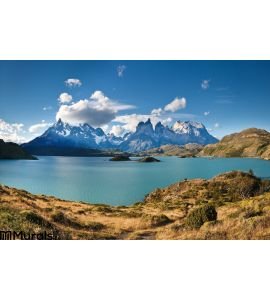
(148, 159)
(121, 157)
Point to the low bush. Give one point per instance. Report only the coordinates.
(33, 217)
(198, 216)
(60, 217)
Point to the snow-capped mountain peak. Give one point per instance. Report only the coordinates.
(63, 134)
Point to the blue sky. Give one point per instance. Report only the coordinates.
(227, 96)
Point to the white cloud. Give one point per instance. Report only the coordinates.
(206, 113)
(117, 130)
(11, 132)
(72, 82)
(120, 70)
(65, 98)
(157, 111)
(39, 128)
(47, 108)
(176, 104)
(205, 84)
(216, 125)
(131, 121)
(96, 111)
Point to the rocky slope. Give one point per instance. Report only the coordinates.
(13, 151)
(251, 142)
(233, 205)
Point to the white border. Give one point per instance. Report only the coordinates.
(138, 29)
(141, 29)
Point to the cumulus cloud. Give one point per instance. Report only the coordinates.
(64, 98)
(73, 82)
(157, 111)
(11, 132)
(98, 110)
(206, 113)
(39, 128)
(176, 104)
(117, 130)
(205, 84)
(120, 70)
(130, 122)
(164, 115)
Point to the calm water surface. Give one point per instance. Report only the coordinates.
(98, 180)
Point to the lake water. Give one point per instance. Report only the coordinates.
(98, 180)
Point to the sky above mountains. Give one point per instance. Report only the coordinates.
(226, 96)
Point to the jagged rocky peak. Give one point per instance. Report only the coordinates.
(99, 132)
(145, 127)
(159, 128)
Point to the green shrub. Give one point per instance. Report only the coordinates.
(33, 217)
(198, 216)
(60, 217)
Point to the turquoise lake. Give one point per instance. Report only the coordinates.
(98, 180)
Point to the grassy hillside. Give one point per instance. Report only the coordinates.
(13, 151)
(233, 205)
(251, 142)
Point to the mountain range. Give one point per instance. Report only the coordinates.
(66, 136)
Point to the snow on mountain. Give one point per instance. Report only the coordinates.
(62, 134)
(146, 137)
(65, 135)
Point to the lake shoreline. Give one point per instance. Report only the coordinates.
(98, 180)
(165, 213)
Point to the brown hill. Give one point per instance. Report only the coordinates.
(251, 142)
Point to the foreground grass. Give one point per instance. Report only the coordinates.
(233, 205)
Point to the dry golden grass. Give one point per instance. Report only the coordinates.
(242, 212)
